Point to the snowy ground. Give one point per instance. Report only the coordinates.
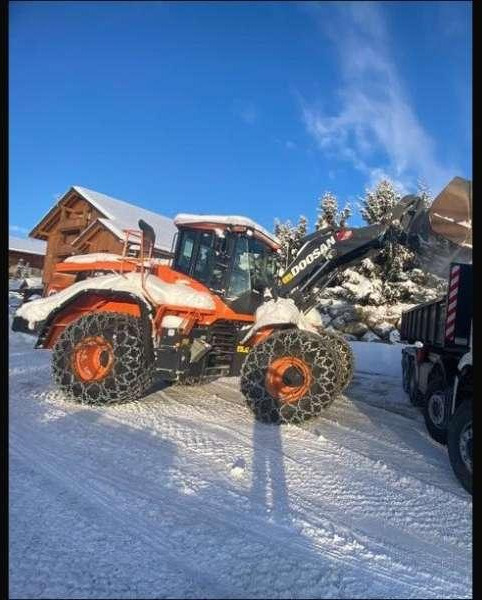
(184, 495)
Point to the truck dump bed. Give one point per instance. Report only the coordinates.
(446, 322)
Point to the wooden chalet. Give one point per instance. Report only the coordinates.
(85, 221)
(30, 253)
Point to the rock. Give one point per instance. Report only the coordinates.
(356, 328)
(369, 336)
(324, 302)
(338, 323)
(394, 337)
(325, 319)
(331, 329)
(338, 307)
(334, 292)
(350, 338)
(383, 329)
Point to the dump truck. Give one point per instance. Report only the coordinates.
(437, 367)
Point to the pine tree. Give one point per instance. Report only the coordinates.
(378, 202)
(290, 237)
(345, 214)
(424, 192)
(376, 208)
(285, 233)
(328, 213)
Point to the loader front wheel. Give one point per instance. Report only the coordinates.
(101, 358)
(290, 377)
(344, 355)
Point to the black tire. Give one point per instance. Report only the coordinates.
(322, 381)
(344, 355)
(405, 372)
(122, 370)
(459, 442)
(436, 408)
(416, 398)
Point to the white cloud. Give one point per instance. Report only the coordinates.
(376, 127)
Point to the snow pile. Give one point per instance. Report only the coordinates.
(279, 312)
(378, 359)
(161, 292)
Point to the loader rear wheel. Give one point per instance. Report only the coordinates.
(101, 358)
(290, 377)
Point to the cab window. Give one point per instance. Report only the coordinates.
(186, 246)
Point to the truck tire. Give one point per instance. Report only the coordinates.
(414, 395)
(459, 442)
(290, 377)
(405, 372)
(436, 408)
(101, 358)
(344, 355)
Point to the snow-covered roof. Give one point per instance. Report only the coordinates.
(186, 219)
(29, 245)
(123, 215)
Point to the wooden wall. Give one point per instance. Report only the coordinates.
(35, 261)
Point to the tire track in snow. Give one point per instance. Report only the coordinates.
(323, 507)
(120, 481)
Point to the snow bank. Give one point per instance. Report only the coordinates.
(179, 294)
(383, 359)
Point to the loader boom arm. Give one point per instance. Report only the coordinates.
(328, 251)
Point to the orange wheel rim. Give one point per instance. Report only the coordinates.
(93, 358)
(275, 379)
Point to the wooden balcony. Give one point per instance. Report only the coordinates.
(63, 249)
(74, 223)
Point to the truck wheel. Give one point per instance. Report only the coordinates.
(459, 442)
(415, 396)
(290, 377)
(435, 408)
(405, 372)
(344, 355)
(101, 358)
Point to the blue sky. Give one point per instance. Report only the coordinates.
(236, 107)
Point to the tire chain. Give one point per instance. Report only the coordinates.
(344, 355)
(314, 350)
(131, 373)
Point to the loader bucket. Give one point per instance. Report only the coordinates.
(450, 214)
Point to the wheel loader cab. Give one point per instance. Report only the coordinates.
(233, 262)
